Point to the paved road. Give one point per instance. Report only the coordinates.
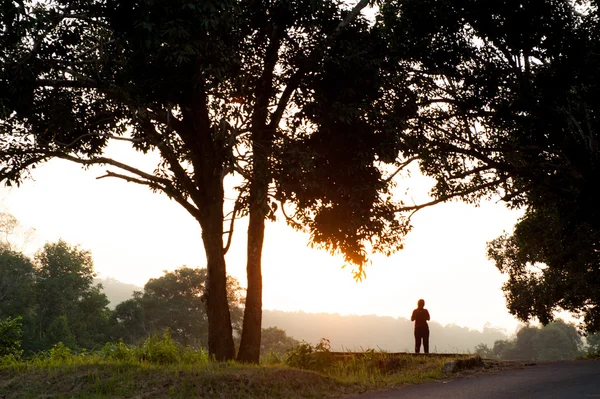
(552, 380)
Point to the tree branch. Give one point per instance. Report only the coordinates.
(236, 209)
(446, 198)
(107, 161)
(167, 189)
(400, 168)
(168, 154)
(110, 136)
(317, 51)
(290, 219)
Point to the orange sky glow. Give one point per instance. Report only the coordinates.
(134, 235)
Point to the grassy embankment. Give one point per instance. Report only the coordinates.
(158, 368)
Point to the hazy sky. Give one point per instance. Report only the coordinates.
(134, 235)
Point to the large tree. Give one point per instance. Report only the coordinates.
(508, 109)
(216, 88)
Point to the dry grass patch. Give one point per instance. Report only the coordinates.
(153, 381)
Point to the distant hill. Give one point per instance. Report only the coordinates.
(375, 332)
(116, 291)
(349, 332)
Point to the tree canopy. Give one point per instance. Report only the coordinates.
(294, 99)
(508, 111)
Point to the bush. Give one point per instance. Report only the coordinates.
(308, 357)
(159, 350)
(60, 353)
(10, 361)
(271, 358)
(194, 356)
(116, 351)
(10, 337)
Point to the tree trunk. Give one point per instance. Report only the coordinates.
(251, 330)
(262, 142)
(220, 334)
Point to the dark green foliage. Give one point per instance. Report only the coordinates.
(70, 308)
(18, 292)
(551, 262)
(508, 108)
(10, 336)
(212, 87)
(58, 331)
(555, 341)
(160, 59)
(16, 284)
(508, 91)
(54, 297)
(175, 302)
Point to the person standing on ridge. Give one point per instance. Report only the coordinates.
(420, 316)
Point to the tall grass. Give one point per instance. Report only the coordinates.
(156, 349)
(369, 367)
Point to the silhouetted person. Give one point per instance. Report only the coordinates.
(420, 316)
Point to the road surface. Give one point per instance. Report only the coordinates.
(548, 380)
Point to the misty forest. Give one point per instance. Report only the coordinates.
(311, 113)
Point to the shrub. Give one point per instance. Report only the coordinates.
(116, 351)
(60, 353)
(157, 349)
(10, 337)
(308, 357)
(271, 358)
(194, 356)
